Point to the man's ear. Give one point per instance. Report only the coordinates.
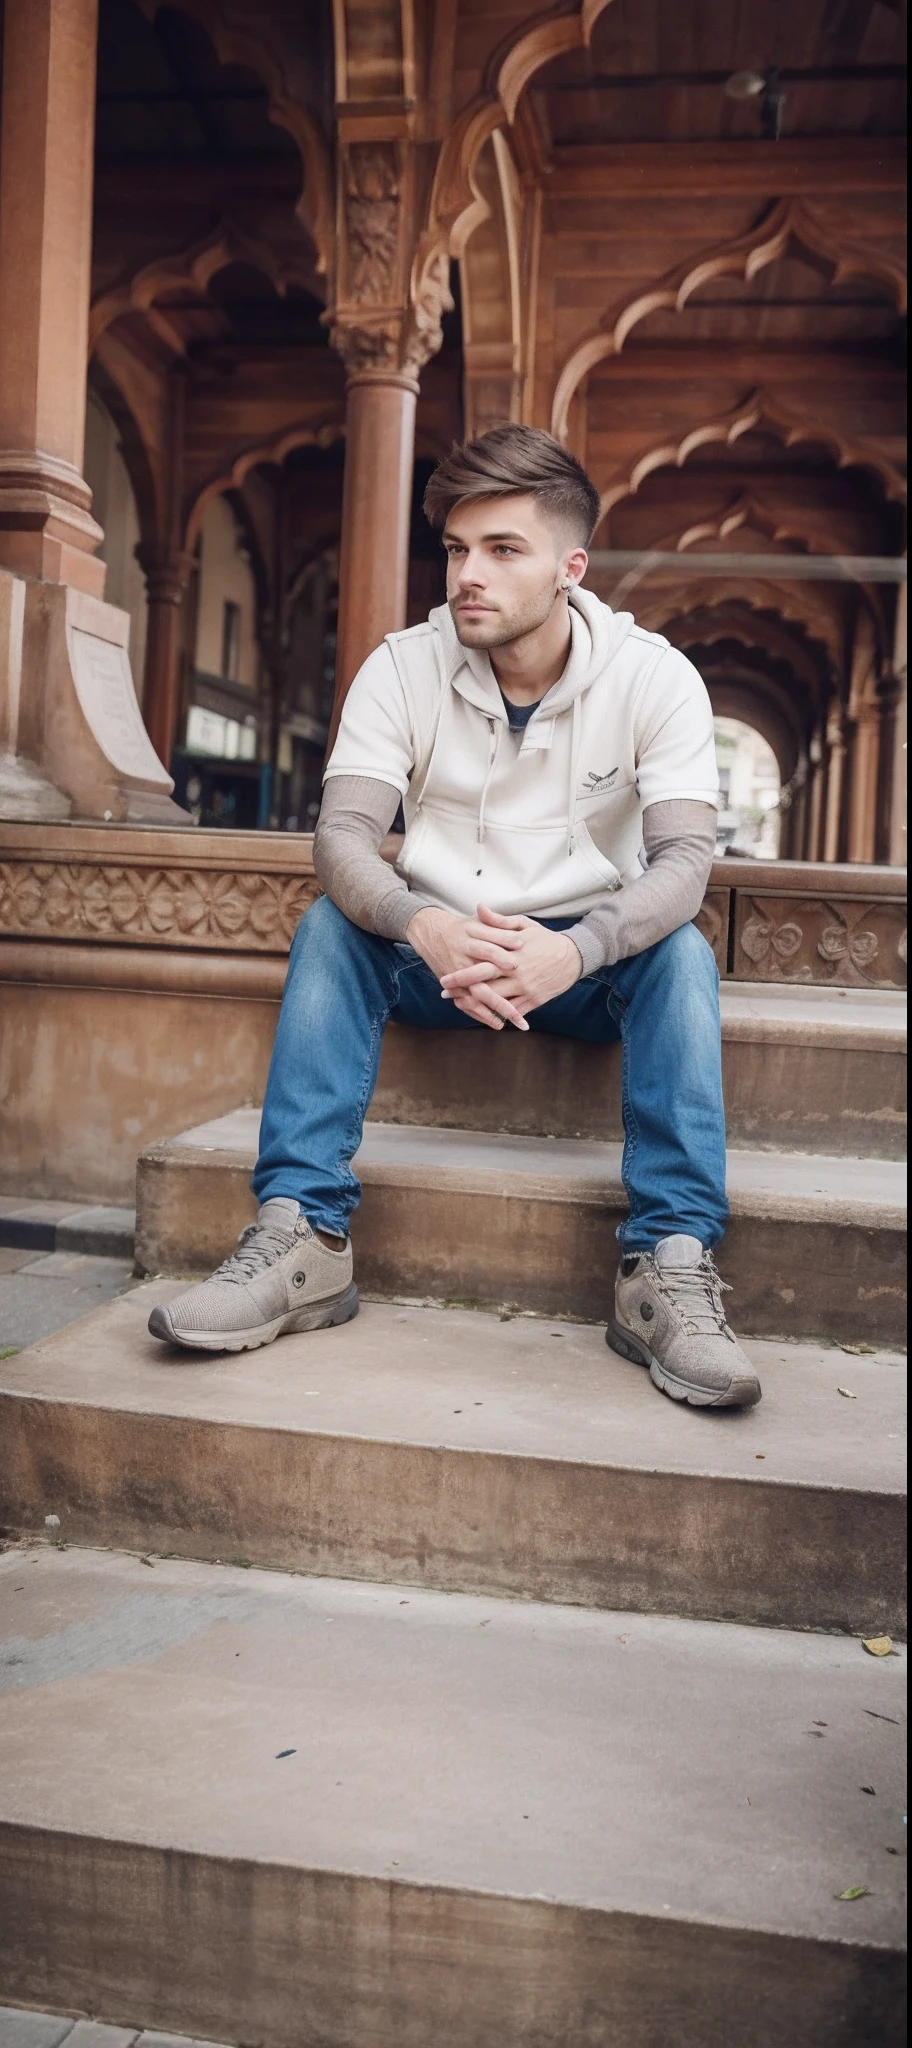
(574, 568)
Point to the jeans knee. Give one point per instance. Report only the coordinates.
(686, 953)
(322, 925)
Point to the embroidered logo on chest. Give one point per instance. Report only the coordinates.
(596, 785)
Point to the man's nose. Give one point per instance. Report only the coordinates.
(470, 575)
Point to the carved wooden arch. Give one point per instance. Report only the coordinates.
(490, 271)
(274, 450)
(134, 450)
(195, 265)
(456, 206)
(740, 692)
(788, 226)
(793, 605)
(247, 43)
(258, 566)
(746, 513)
(761, 678)
(325, 550)
(763, 411)
(709, 622)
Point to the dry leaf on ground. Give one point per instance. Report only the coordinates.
(877, 1646)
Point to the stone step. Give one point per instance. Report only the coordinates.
(447, 1449)
(815, 1248)
(263, 1808)
(805, 1069)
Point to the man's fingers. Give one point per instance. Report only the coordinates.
(487, 949)
(463, 977)
(489, 935)
(496, 917)
(492, 999)
(479, 1014)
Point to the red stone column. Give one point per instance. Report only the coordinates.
(47, 118)
(863, 783)
(376, 509)
(167, 576)
(832, 831)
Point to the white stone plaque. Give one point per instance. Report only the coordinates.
(104, 686)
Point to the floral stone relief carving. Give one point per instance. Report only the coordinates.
(853, 944)
(181, 906)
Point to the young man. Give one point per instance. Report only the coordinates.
(558, 777)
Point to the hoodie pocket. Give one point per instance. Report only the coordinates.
(416, 834)
(584, 844)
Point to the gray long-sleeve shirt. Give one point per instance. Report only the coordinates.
(679, 838)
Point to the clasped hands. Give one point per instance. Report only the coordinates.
(495, 968)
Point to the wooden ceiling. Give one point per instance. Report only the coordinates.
(656, 72)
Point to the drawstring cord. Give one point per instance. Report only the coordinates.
(575, 741)
(497, 730)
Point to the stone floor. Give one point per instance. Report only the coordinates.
(41, 1292)
(42, 2030)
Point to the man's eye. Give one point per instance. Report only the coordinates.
(504, 550)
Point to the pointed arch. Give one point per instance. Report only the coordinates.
(490, 293)
(274, 450)
(456, 205)
(789, 227)
(795, 530)
(758, 411)
(195, 266)
(247, 43)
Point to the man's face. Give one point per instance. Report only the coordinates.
(506, 563)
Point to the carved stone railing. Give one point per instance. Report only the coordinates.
(239, 896)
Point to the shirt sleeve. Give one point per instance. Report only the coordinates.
(680, 840)
(375, 736)
(674, 738)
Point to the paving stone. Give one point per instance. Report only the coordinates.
(52, 1289)
(32, 2029)
(92, 2034)
(174, 2041)
(107, 1232)
(13, 1257)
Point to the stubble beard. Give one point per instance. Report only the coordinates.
(502, 628)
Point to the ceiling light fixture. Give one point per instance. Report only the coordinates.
(744, 85)
(751, 85)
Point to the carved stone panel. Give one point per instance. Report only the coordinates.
(712, 920)
(255, 913)
(845, 943)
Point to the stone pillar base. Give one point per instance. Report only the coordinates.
(26, 795)
(77, 741)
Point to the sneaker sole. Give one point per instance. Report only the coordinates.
(323, 1315)
(739, 1394)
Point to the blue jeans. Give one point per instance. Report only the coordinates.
(344, 985)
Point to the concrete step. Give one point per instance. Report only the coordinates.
(805, 1069)
(448, 1449)
(94, 1228)
(278, 1810)
(815, 1248)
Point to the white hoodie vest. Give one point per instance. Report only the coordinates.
(549, 821)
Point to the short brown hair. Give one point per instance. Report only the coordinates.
(514, 461)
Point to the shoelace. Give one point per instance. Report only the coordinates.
(256, 1248)
(697, 1293)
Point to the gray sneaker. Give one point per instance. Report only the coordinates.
(669, 1316)
(282, 1277)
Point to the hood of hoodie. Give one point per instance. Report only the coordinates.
(597, 634)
